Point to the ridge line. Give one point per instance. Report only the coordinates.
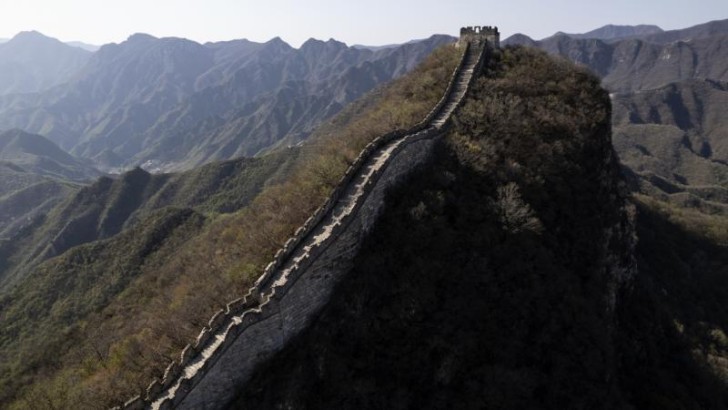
(305, 246)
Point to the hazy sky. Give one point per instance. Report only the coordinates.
(371, 22)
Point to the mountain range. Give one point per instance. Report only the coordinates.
(103, 277)
(669, 99)
(78, 44)
(173, 99)
(615, 32)
(32, 62)
(171, 103)
(38, 155)
(163, 104)
(35, 176)
(142, 243)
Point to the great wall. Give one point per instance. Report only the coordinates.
(303, 273)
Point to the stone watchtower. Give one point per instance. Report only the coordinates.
(478, 34)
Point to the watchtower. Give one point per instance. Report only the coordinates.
(478, 34)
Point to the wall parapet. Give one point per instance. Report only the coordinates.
(283, 254)
(479, 34)
(265, 298)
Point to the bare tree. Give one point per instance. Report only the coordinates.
(515, 214)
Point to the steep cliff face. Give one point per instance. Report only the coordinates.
(494, 277)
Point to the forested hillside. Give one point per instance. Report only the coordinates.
(669, 107)
(107, 316)
(566, 247)
(503, 275)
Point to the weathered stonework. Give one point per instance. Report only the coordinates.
(294, 303)
(479, 34)
(302, 276)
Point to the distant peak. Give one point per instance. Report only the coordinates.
(137, 37)
(519, 39)
(315, 43)
(277, 42)
(614, 31)
(83, 46)
(29, 34)
(26, 36)
(311, 42)
(335, 42)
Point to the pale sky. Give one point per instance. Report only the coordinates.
(370, 22)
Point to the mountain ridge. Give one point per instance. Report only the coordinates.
(615, 32)
(668, 93)
(223, 258)
(110, 206)
(524, 214)
(32, 62)
(41, 156)
(142, 102)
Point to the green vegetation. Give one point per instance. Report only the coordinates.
(674, 322)
(107, 207)
(487, 285)
(484, 285)
(673, 141)
(137, 298)
(146, 218)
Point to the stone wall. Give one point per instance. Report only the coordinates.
(472, 34)
(303, 273)
(295, 302)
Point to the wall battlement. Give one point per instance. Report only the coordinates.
(302, 276)
(474, 34)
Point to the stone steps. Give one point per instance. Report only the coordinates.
(351, 197)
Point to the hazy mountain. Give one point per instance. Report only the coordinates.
(374, 48)
(386, 46)
(614, 32)
(38, 155)
(35, 176)
(25, 197)
(289, 92)
(636, 64)
(519, 39)
(109, 206)
(675, 141)
(31, 62)
(172, 103)
(709, 29)
(649, 33)
(669, 107)
(84, 46)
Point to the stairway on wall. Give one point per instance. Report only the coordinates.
(461, 88)
(302, 250)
